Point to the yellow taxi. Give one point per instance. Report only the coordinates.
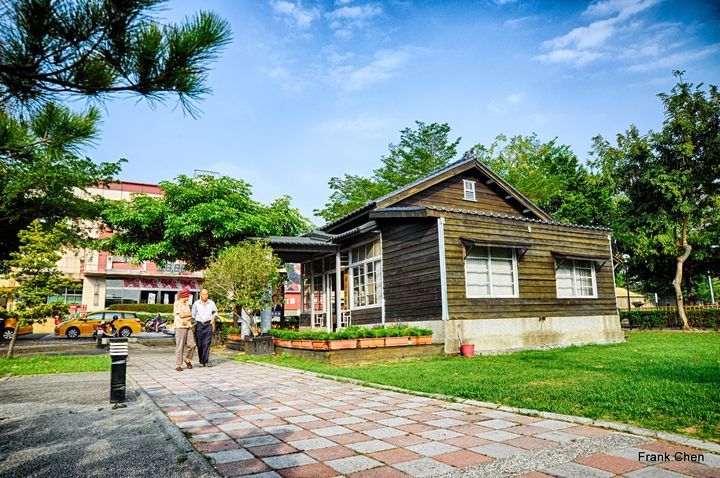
(10, 324)
(127, 323)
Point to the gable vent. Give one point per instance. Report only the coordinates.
(469, 190)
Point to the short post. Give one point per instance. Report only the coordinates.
(118, 368)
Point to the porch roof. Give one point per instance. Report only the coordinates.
(299, 249)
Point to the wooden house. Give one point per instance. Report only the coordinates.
(464, 253)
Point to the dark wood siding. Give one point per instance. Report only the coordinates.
(536, 269)
(411, 271)
(369, 316)
(449, 193)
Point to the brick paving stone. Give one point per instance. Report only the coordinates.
(241, 468)
(259, 440)
(350, 438)
(314, 425)
(210, 437)
(358, 412)
(471, 429)
(530, 443)
(311, 443)
(236, 426)
(586, 431)
(497, 435)
(424, 467)
(381, 472)
(227, 456)
(669, 448)
(283, 429)
(445, 422)
(316, 470)
(347, 420)
(214, 446)
(534, 474)
(497, 450)
(393, 422)
(552, 424)
(526, 430)
(440, 434)
(420, 427)
(404, 412)
(525, 420)
(330, 453)
(406, 440)
(193, 424)
(288, 461)
(266, 474)
(361, 427)
(352, 464)
(269, 423)
(653, 472)
(259, 416)
(560, 437)
(384, 432)
(370, 446)
(302, 419)
(245, 433)
(432, 448)
(498, 424)
(462, 458)
(573, 470)
(273, 450)
(331, 431)
(467, 441)
(396, 455)
(691, 468)
(611, 463)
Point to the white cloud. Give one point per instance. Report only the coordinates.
(513, 22)
(294, 13)
(677, 60)
(585, 44)
(385, 64)
(344, 20)
(504, 2)
(515, 98)
(502, 106)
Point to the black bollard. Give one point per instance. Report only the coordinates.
(118, 366)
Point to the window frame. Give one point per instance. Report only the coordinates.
(378, 272)
(472, 189)
(492, 295)
(574, 280)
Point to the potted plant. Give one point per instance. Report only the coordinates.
(370, 338)
(396, 337)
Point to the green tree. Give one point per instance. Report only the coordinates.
(419, 153)
(53, 50)
(96, 48)
(241, 276)
(33, 267)
(194, 220)
(550, 175)
(668, 182)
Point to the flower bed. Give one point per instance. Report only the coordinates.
(353, 337)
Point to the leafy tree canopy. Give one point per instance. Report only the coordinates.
(667, 183)
(194, 220)
(420, 152)
(550, 175)
(34, 269)
(95, 48)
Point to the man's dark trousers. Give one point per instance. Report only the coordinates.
(203, 334)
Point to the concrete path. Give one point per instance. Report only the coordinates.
(251, 420)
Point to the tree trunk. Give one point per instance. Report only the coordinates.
(677, 282)
(11, 347)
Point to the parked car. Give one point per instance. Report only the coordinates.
(127, 323)
(9, 328)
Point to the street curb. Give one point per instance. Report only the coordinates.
(195, 460)
(620, 427)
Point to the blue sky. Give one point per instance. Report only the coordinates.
(313, 89)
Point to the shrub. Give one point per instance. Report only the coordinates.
(152, 308)
(353, 332)
(232, 330)
(703, 318)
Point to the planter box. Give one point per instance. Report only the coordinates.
(282, 342)
(364, 355)
(235, 337)
(397, 341)
(421, 339)
(260, 345)
(371, 342)
(320, 344)
(340, 344)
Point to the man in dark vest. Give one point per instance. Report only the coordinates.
(204, 312)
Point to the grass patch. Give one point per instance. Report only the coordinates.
(666, 381)
(43, 364)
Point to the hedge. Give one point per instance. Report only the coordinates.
(350, 333)
(151, 308)
(699, 318)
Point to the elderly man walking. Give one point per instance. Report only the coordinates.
(204, 312)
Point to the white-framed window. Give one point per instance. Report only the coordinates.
(491, 272)
(366, 275)
(469, 190)
(575, 278)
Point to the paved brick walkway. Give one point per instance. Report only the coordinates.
(264, 422)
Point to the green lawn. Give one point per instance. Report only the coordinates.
(661, 380)
(54, 364)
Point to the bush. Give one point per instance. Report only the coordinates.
(353, 332)
(151, 308)
(701, 318)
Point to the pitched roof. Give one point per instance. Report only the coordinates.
(469, 161)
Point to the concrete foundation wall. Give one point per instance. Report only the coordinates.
(507, 335)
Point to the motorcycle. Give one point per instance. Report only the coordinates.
(106, 329)
(154, 325)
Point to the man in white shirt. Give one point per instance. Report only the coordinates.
(204, 312)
